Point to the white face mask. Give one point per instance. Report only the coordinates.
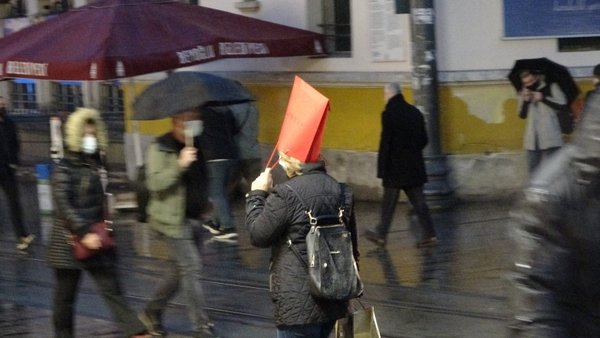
(89, 144)
(194, 128)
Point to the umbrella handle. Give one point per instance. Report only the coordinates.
(189, 140)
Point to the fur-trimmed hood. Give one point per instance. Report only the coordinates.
(74, 129)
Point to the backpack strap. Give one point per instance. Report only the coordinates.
(312, 220)
(289, 239)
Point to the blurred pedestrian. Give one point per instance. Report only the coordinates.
(176, 179)
(401, 167)
(596, 73)
(79, 202)
(221, 156)
(9, 162)
(246, 141)
(558, 237)
(275, 217)
(539, 103)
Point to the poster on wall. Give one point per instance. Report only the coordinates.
(387, 38)
(551, 19)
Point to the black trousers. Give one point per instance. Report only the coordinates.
(416, 197)
(65, 296)
(8, 182)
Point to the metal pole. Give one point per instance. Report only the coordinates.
(426, 98)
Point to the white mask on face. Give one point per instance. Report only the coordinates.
(89, 144)
(194, 128)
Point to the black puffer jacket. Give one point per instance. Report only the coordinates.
(557, 276)
(78, 195)
(275, 217)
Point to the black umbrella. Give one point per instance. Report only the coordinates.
(182, 91)
(553, 72)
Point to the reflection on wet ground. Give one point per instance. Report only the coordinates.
(457, 289)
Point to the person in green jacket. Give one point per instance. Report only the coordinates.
(176, 180)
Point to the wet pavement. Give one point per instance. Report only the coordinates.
(457, 289)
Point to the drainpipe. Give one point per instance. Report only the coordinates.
(426, 98)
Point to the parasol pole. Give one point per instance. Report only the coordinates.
(189, 139)
(135, 126)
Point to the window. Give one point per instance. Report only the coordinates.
(67, 95)
(580, 44)
(336, 26)
(22, 95)
(112, 97)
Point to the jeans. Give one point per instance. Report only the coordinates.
(185, 273)
(536, 157)
(219, 173)
(10, 185)
(65, 294)
(322, 330)
(417, 198)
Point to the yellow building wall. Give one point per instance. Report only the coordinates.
(474, 118)
(352, 122)
(155, 127)
(479, 119)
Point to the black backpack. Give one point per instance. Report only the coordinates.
(332, 269)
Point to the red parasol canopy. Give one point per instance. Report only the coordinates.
(110, 39)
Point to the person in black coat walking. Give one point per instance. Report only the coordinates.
(9, 161)
(400, 165)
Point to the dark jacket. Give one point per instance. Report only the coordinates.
(557, 264)
(403, 136)
(273, 218)
(9, 146)
(78, 196)
(217, 139)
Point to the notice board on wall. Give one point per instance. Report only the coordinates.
(387, 38)
(551, 18)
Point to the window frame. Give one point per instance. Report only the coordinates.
(337, 27)
(62, 100)
(23, 95)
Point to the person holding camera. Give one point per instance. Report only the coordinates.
(538, 103)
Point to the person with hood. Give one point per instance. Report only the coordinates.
(275, 215)
(9, 161)
(176, 177)
(400, 165)
(556, 263)
(78, 196)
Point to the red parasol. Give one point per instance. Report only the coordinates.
(111, 39)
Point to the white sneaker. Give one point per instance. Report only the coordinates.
(25, 241)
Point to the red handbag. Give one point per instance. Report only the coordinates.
(102, 229)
